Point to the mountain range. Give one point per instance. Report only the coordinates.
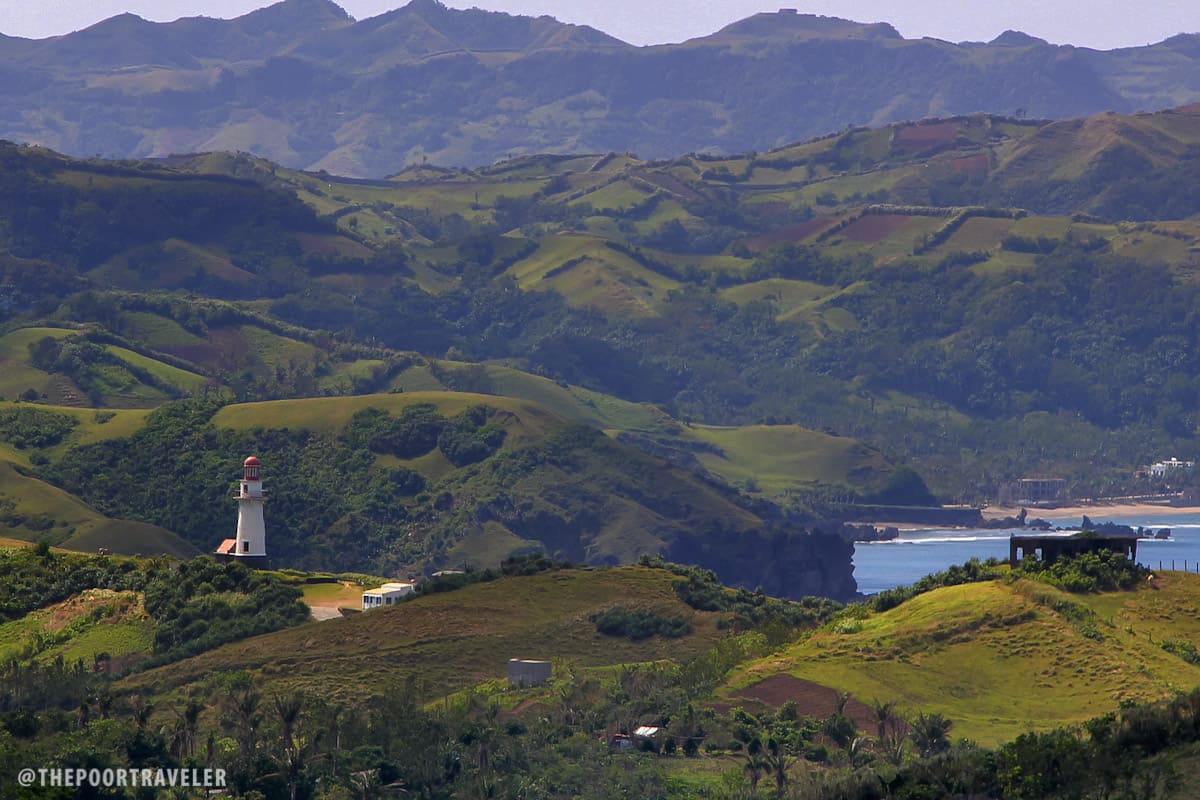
(304, 84)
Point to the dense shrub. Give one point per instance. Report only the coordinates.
(469, 438)
(414, 433)
(700, 589)
(34, 427)
(1104, 570)
(638, 625)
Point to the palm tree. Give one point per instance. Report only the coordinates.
(857, 753)
(884, 714)
(778, 761)
(287, 710)
(755, 765)
(837, 726)
(244, 707)
(889, 725)
(140, 708)
(183, 735)
(293, 754)
(931, 733)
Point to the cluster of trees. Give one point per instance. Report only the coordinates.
(201, 604)
(1100, 571)
(31, 427)
(701, 589)
(332, 507)
(638, 624)
(465, 439)
(95, 370)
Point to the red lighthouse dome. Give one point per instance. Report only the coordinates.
(250, 469)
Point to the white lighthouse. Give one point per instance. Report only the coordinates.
(250, 546)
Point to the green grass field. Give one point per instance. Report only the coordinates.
(94, 425)
(341, 593)
(454, 640)
(588, 273)
(128, 537)
(16, 373)
(181, 378)
(37, 500)
(526, 421)
(792, 298)
(92, 622)
(780, 458)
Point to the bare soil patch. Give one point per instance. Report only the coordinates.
(932, 135)
(977, 163)
(874, 227)
(790, 233)
(812, 699)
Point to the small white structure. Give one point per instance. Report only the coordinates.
(1159, 469)
(387, 595)
(250, 546)
(523, 672)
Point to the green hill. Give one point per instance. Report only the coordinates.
(32, 510)
(997, 658)
(414, 481)
(450, 641)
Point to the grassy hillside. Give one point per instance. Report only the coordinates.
(403, 483)
(783, 458)
(33, 510)
(526, 422)
(449, 641)
(93, 622)
(999, 658)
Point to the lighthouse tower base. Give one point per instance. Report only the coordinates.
(252, 561)
(225, 554)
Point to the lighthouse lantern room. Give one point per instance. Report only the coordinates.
(250, 546)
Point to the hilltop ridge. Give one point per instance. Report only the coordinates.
(304, 84)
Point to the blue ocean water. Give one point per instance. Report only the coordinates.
(916, 553)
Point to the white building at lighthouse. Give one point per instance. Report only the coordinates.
(250, 546)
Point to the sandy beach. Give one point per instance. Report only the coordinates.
(1093, 510)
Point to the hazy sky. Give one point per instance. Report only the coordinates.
(1101, 24)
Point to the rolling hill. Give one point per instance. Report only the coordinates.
(451, 641)
(880, 284)
(420, 480)
(998, 658)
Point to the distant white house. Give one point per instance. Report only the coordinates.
(387, 595)
(1160, 469)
